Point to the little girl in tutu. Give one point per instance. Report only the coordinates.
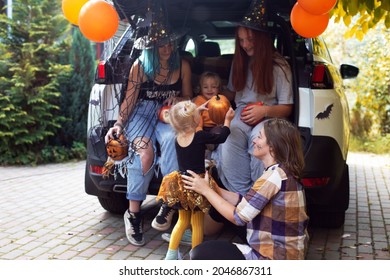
(190, 149)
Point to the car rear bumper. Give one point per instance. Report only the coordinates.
(325, 164)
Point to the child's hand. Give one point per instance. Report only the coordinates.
(229, 114)
(203, 107)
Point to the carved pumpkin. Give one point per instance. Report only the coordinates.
(163, 114)
(117, 148)
(251, 105)
(217, 108)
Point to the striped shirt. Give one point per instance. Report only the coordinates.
(274, 212)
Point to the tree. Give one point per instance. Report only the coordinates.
(30, 47)
(76, 89)
(373, 84)
(367, 14)
(368, 94)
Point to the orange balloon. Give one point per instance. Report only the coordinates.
(71, 9)
(317, 7)
(308, 25)
(98, 20)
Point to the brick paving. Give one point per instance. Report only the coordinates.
(45, 214)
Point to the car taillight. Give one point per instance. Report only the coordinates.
(318, 73)
(320, 78)
(315, 182)
(96, 169)
(101, 70)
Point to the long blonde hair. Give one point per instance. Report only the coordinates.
(184, 116)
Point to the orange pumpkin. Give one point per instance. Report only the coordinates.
(251, 105)
(163, 114)
(117, 148)
(217, 108)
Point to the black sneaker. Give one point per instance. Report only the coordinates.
(164, 217)
(133, 225)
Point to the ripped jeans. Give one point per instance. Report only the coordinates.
(143, 123)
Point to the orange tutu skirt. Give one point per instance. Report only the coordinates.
(173, 193)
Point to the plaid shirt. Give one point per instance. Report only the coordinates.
(274, 212)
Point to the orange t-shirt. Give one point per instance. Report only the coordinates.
(205, 118)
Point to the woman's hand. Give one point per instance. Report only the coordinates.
(170, 101)
(221, 203)
(254, 114)
(197, 183)
(173, 100)
(113, 133)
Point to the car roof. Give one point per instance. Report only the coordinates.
(188, 12)
(212, 18)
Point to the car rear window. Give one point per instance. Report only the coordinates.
(226, 45)
(320, 49)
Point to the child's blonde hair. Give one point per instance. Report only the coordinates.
(210, 75)
(184, 116)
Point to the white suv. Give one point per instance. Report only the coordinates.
(320, 106)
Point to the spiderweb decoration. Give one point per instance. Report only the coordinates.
(134, 95)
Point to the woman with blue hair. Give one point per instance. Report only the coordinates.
(158, 77)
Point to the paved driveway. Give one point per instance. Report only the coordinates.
(45, 214)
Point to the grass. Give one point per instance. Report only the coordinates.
(376, 145)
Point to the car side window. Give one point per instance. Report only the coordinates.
(190, 46)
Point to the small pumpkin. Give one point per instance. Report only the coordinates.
(163, 113)
(117, 148)
(217, 108)
(259, 103)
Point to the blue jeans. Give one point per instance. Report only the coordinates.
(237, 167)
(143, 124)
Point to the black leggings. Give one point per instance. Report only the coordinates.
(216, 250)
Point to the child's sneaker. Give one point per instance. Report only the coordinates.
(173, 255)
(185, 240)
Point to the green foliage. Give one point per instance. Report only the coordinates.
(373, 84)
(368, 13)
(76, 88)
(30, 50)
(61, 154)
(376, 145)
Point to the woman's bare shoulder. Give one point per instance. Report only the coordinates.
(137, 72)
(136, 65)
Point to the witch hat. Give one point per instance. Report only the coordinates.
(256, 16)
(159, 30)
